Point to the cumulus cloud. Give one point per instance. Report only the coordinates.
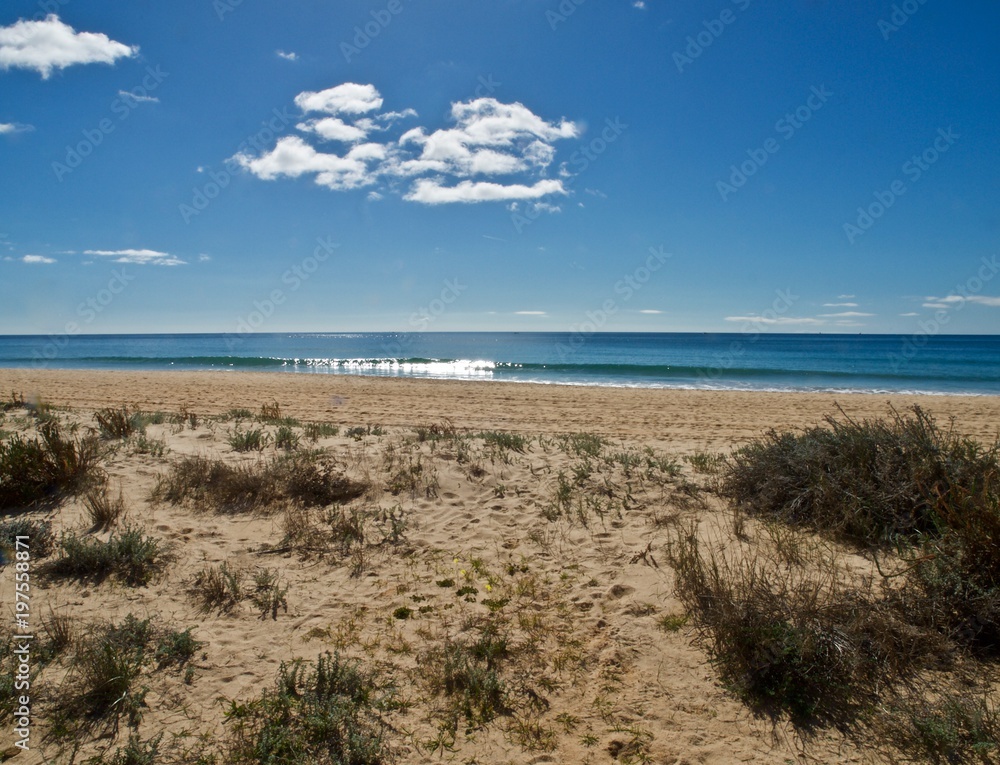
(333, 129)
(52, 44)
(430, 192)
(457, 164)
(37, 259)
(287, 56)
(139, 257)
(293, 157)
(10, 128)
(349, 98)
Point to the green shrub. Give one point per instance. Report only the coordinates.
(248, 440)
(324, 713)
(873, 482)
(36, 470)
(39, 533)
(119, 423)
(129, 555)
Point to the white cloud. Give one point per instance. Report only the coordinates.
(649, 310)
(949, 300)
(846, 314)
(203, 258)
(138, 99)
(52, 44)
(489, 139)
(530, 313)
(777, 320)
(374, 196)
(287, 56)
(349, 98)
(911, 313)
(846, 297)
(139, 257)
(840, 305)
(293, 157)
(640, 4)
(430, 192)
(9, 128)
(596, 193)
(333, 129)
(37, 259)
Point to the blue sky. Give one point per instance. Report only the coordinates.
(499, 165)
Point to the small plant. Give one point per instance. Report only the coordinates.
(239, 414)
(266, 595)
(60, 632)
(314, 431)
(270, 412)
(36, 470)
(583, 444)
(154, 447)
(118, 423)
(219, 587)
(286, 438)
(176, 648)
(327, 711)
(129, 555)
(705, 462)
(38, 533)
(672, 622)
(103, 510)
(248, 440)
(505, 441)
(402, 613)
(135, 752)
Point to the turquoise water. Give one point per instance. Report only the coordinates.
(749, 361)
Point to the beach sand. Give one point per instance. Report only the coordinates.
(601, 665)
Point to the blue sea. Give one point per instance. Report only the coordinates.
(743, 361)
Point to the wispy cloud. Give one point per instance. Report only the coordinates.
(10, 128)
(141, 99)
(847, 314)
(840, 305)
(288, 56)
(139, 257)
(949, 300)
(911, 313)
(51, 44)
(530, 313)
(777, 320)
(37, 259)
(846, 297)
(649, 310)
(458, 164)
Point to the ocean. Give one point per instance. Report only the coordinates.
(949, 364)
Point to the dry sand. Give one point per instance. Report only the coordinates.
(586, 589)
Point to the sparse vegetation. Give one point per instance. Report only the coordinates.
(326, 712)
(301, 477)
(219, 587)
(103, 510)
(255, 440)
(38, 532)
(130, 555)
(40, 469)
(119, 423)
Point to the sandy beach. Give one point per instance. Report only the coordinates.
(555, 540)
